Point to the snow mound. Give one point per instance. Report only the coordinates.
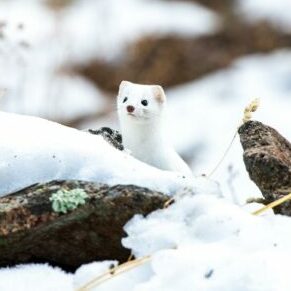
(35, 150)
(38, 43)
(34, 278)
(201, 242)
(112, 24)
(120, 283)
(206, 243)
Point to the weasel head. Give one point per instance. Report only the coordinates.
(140, 103)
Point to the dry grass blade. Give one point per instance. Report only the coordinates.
(169, 202)
(252, 107)
(130, 258)
(272, 204)
(111, 273)
(224, 155)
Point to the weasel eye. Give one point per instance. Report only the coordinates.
(125, 99)
(144, 102)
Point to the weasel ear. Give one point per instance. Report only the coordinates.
(159, 93)
(122, 85)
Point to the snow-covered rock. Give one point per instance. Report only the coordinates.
(199, 243)
(206, 243)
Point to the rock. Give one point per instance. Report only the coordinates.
(31, 232)
(267, 157)
(110, 135)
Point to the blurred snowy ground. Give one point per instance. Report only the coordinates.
(37, 42)
(203, 116)
(210, 109)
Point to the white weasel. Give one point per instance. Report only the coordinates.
(141, 111)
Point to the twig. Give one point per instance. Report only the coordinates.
(272, 204)
(259, 200)
(252, 107)
(224, 155)
(113, 272)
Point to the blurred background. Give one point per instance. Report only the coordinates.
(64, 59)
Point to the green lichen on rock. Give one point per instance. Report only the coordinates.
(66, 200)
(30, 229)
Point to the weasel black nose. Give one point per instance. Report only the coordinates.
(130, 108)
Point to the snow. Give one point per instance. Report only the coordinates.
(121, 283)
(203, 115)
(214, 106)
(109, 25)
(71, 90)
(275, 11)
(203, 235)
(201, 242)
(38, 43)
(32, 78)
(86, 272)
(35, 277)
(208, 241)
(112, 24)
(34, 150)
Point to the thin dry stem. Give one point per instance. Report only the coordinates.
(272, 204)
(224, 155)
(130, 257)
(169, 202)
(252, 107)
(111, 273)
(259, 200)
(181, 193)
